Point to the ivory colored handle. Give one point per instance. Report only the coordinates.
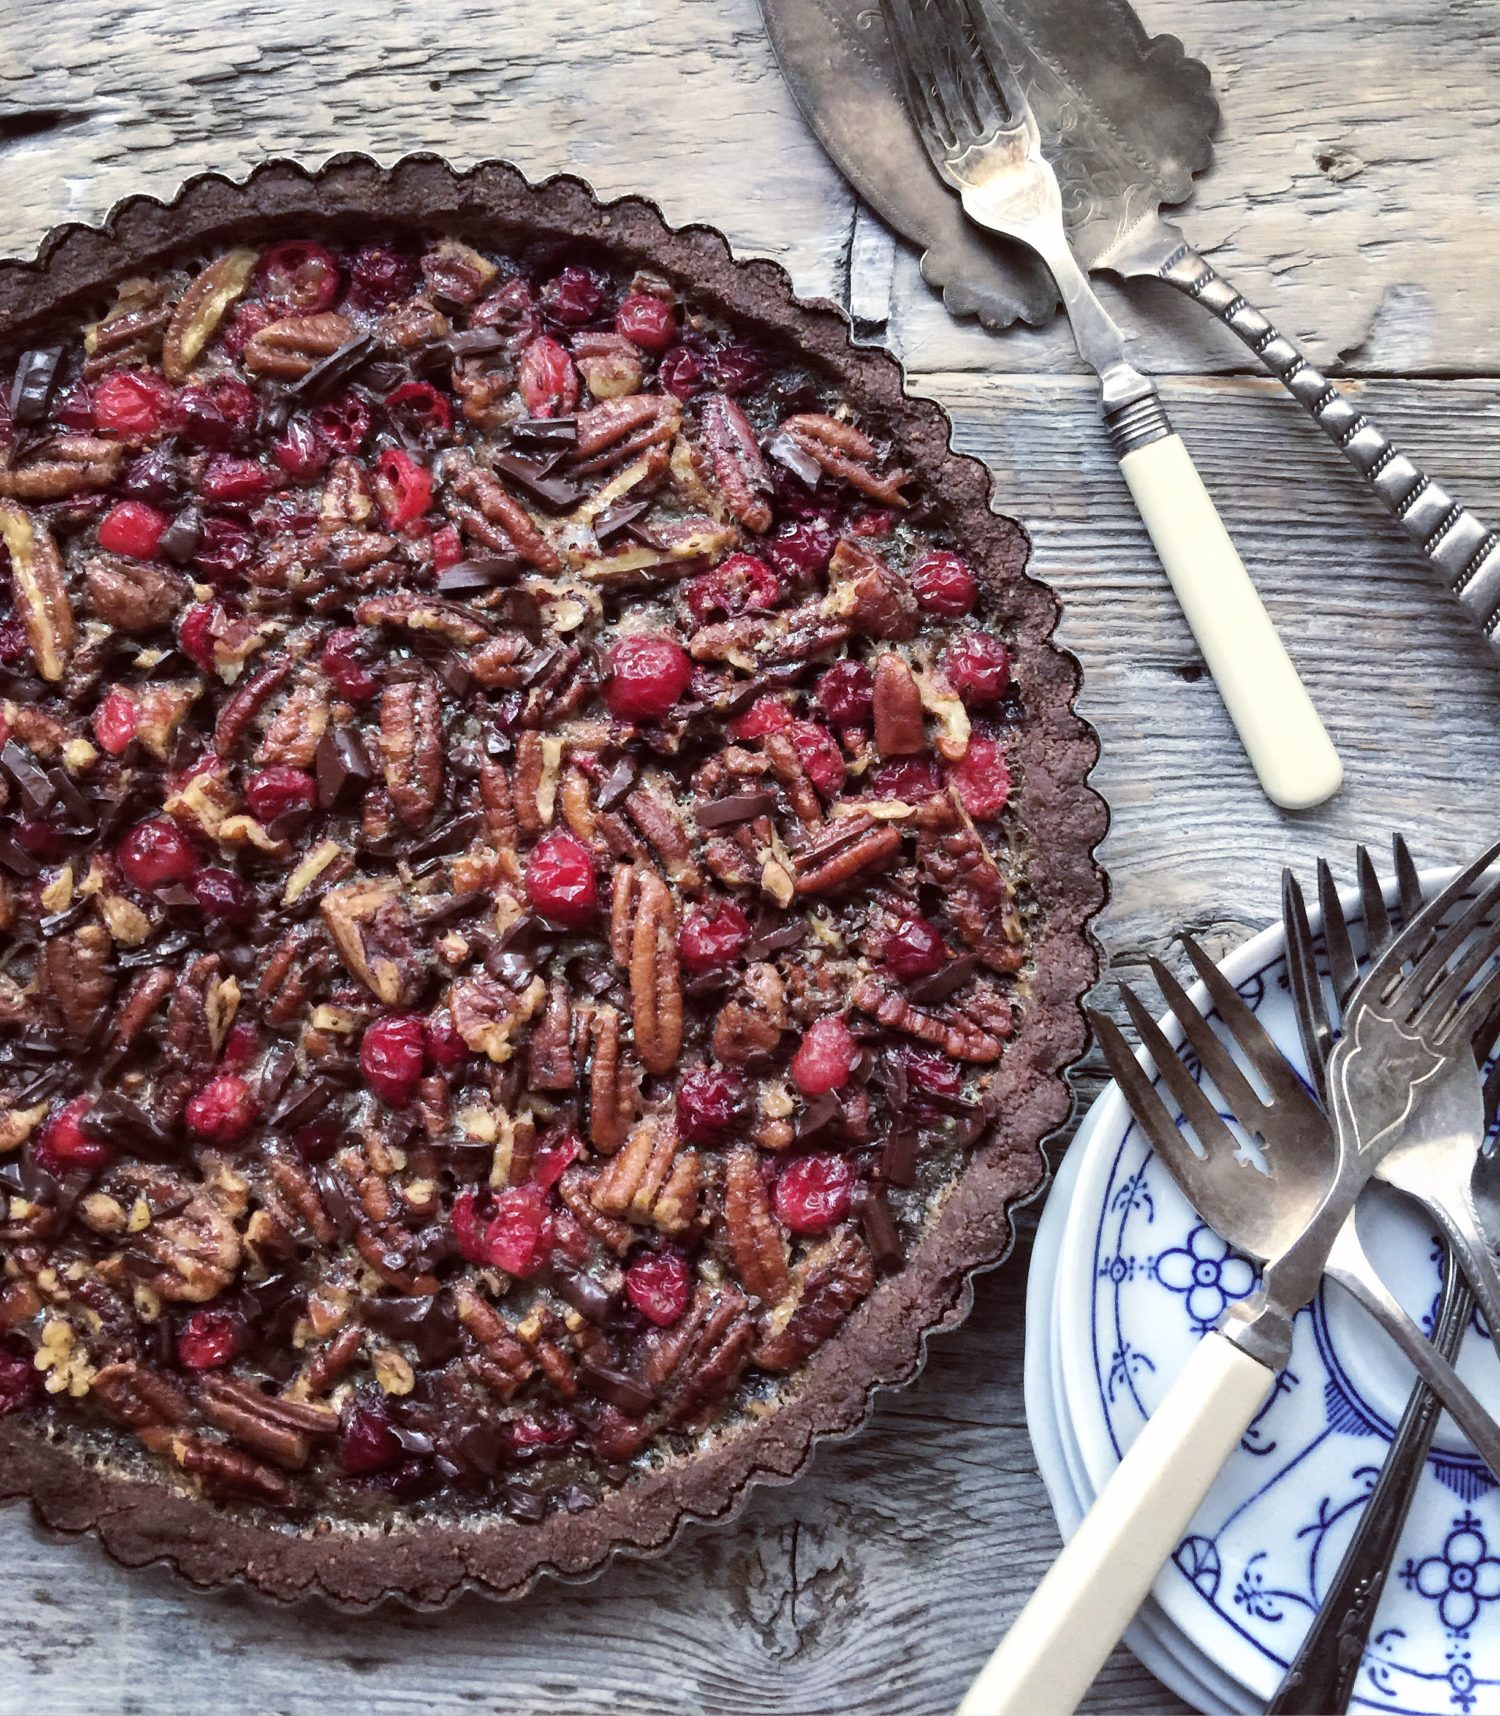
(1281, 731)
(1074, 1618)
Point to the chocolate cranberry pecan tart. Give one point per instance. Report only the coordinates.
(543, 871)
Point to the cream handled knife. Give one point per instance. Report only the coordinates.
(978, 128)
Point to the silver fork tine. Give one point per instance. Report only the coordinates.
(1200, 1113)
(960, 49)
(1466, 1021)
(1342, 965)
(1384, 975)
(997, 62)
(1245, 1028)
(1242, 1100)
(1308, 1000)
(1372, 903)
(1151, 1113)
(915, 69)
(1432, 964)
(1407, 880)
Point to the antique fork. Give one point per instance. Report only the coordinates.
(1075, 1616)
(977, 125)
(1323, 1673)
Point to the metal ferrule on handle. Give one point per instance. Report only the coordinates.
(1464, 550)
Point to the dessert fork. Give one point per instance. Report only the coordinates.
(977, 126)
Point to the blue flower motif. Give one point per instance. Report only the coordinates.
(1461, 1578)
(1207, 1273)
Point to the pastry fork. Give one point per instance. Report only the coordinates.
(978, 127)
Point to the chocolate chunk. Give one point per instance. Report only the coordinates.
(523, 1504)
(471, 342)
(157, 952)
(341, 764)
(115, 1119)
(455, 676)
(582, 1292)
(615, 1388)
(55, 923)
(439, 908)
(803, 466)
(330, 373)
(343, 1212)
(615, 518)
(941, 984)
(31, 780)
(775, 940)
(450, 836)
(426, 1322)
(290, 823)
(35, 379)
(614, 789)
(541, 661)
(483, 572)
(300, 1104)
(179, 541)
(898, 1161)
(881, 1233)
(734, 807)
(16, 858)
(275, 1070)
(520, 608)
(821, 1113)
(561, 431)
(707, 983)
(534, 476)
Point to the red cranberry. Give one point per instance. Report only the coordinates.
(547, 378)
(511, 1231)
(910, 778)
(765, 715)
(300, 451)
(574, 297)
(982, 779)
(419, 407)
(246, 322)
(222, 896)
(915, 949)
(225, 549)
(444, 1046)
(871, 521)
(318, 1140)
(223, 1111)
(658, 1285)
(447, 549)
(20, 1380)
(977, 666)
(367, 1443)
(740, 369)
(813, 1192)
(275, 791)
(825, 1057)
(681, 372)
(392, 1057)
(931, 1071)
(155, 476)
(347, 673)
(822, 761)
(650, 322)
(114, 722)
(802, 549)
(739, 582)
(75, 409)
(300, 277)
(343, 422)
(13, 642)
(209, 1339)
(944, 584)
(131, 527)
(241, 1045)
(155, 853)
(64, 1145)
(378, 277)
(234, 482)
(538, 1433)
(560, 881)
(42, 839)
(708, 1105)
(218, 415)
(846, 692)
(195, 634)
(712, 935)
(134, 403)
(553, 1158)
(403, 488)
(647, 674)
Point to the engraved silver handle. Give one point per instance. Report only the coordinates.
(1464, 550)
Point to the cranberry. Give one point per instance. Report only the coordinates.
(944, 584)
(131, 527)
(299, 277)
(447, 549)
(977, 666)
(813, 1192)
(931, 1070)
(650, 322)
(553, 1159)
(346, 672)
(223, 1111)
(378, 277)
(871, 521)
(367, 1442)
(708, 1104)
(20, 1380)
(825, 1057)
(240, 1046)
(225, 549)
(739, 582)
(822, 761)
(681, 372)
(846, 692)
(219, 415)
(982, 779)
(299, 450)
(114, 722)
(560, 881)
(195, 634)
(915, 949)
(318, 1140)
(444, 1046)
(802, 549)
(343, 422)
(13, 642)
(134, 403)
(75, 409)
(420, 408)
(574, 297)
(157, 852)
(155, 476)
(392, 1057)
(910, 778)
(712, 935)
(647, 674)
(547, 378)
(222, 896)
(42, 839)
(538, 1433)
(765, 715)
(511, 306)
(209, 1339)
(64, 1145)
(234, 482)
(511, 1231)
(403, 488)
(658, 1285)
(275, 791)
(740, 369)
(246, 322)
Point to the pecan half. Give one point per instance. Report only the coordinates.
(75, 980)
(69, 465)
(197, 1252)
(223, 1468)
(288, 349)
(875, 599)
(372, 930)
(844, 851)
(954, 1034)
(735, 458)
(411, 747)
(653, 1179)
(549, 1054)
(713, 1364)
(242, 708)
(843, 451)
(655, 979)
(616, 430)
(900, 728)
(829, 1290)
(419, 613)
(504, 1365)
(132, 595)
(201, 308)
(612, 1083)
(756, 1241)
(752, 1026)
(486, 1013)
(495, 518)
(36, 576)
(131, 333)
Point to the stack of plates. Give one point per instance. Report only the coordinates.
(1124, 1281)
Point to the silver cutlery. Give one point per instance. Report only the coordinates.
(1323, 1673)
(1073, 1619)
(979, 131)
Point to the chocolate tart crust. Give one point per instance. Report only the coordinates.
(427, 1563)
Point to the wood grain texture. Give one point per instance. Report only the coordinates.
(1352, 194)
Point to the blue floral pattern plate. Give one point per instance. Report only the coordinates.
(1139, 1281)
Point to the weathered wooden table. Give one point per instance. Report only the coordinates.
(1354, 197)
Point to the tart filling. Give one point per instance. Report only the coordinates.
(510, 920)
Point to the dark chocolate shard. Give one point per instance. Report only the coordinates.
(179, 541)
(614, 789)
(342, 765)
(881, 1233)
(470, 342)
(483, 572)
(616, 518)
(734, 807)
(427, 1322)
(898, 1161)
(615, 1388)
(115, 1119)
(556, 431)
(35, 379)
(587, 1296)
(302, 1103)
(534, 476)
(822, 1112)
(338, 1200)
(803, 466)
(16, 858)
(775, 939)
(455, 676)
(941, 984)
(332, 372)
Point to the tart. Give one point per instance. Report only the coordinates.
(545, 865)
